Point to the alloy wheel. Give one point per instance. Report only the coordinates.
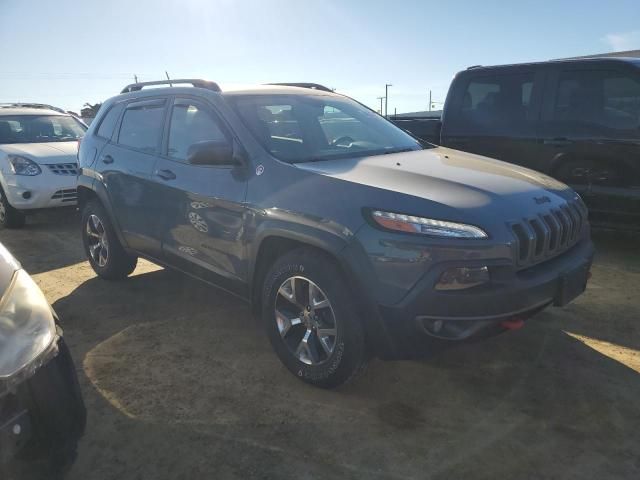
(305, 320)
(97, 240)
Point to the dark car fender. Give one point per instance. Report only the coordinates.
(89, 187)
(340, 244)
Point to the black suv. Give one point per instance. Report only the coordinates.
(347, 236)
(576, 120)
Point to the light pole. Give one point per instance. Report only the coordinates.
(386, 98)
(381, 98)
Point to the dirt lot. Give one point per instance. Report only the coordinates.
(180, 383)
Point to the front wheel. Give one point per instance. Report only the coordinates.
(9, 216)
(106, 255)
(311, 319)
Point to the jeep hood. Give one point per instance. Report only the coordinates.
(44, 153)
(459, 180)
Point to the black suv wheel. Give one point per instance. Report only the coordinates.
(106, 255)
(311, 319)
(9, 216)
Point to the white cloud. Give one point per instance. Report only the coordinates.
(623, 41)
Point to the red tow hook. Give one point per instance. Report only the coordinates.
(513, 324)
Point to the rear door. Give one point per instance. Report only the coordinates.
(202, 205)
(591, 136)
(495, 113)
(126, 166)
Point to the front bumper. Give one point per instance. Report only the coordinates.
(46, 190)
(428, 320)
(44, 417)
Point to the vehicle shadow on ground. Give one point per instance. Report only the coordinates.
(611, 306)
(180, 382)
(56, 230)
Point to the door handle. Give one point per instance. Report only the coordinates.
(558, 142)
(107, 159)
(165, 174)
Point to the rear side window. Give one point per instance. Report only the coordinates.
(497, 102)
(141, 126)
(592, 99)
(108, 124)
(191, 123)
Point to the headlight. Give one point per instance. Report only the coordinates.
(426, 226)
(24, 166)
(27, 330)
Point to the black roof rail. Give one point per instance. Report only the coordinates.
(196, 82)
(314, 86)
(32, 105)
(474, 66)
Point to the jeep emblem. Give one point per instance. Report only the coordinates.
(541, 200)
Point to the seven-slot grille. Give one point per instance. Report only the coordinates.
(68, 195)
(63, 168)
(550, 233)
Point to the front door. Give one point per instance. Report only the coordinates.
(126, 165)
(591, 134)
(203, 205)
(495, 114)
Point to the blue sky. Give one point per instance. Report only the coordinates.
(67, 52)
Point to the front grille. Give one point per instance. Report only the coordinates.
(64, 168)
(550, 233)
(68, 195)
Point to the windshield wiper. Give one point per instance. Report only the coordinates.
(399, 150)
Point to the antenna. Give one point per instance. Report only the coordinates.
(167, 74)
(135, 77)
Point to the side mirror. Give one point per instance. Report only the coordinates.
(210, 153)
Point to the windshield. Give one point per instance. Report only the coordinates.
(297, 128)
(39, 129)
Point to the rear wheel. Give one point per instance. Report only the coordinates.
(311, 319)
(104, 251)
(9, 216)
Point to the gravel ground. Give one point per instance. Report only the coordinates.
(181, 383)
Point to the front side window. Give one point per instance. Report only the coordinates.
(592, 99)
(141, 127)
(190, 124)
(39, 129)
(498, 102)
(303, 128)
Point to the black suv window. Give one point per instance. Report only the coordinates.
(108, 124)
(592, 99)
(497, 102)
(141, 126)
(191, 123)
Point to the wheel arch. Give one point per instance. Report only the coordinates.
(347, 255)
(88, 190)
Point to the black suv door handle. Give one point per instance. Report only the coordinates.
(557, 141)
(165, 174)
(107, 159)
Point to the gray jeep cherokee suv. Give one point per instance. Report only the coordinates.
(346, 235)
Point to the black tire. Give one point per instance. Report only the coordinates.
(9, 216)
(349, 355)
(118, 264)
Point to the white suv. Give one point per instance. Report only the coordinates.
(38, 160)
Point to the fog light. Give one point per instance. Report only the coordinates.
(462, 277)
(26, 195)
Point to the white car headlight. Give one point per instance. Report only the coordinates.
(23, 166)
(426, 226)
(27, 330)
